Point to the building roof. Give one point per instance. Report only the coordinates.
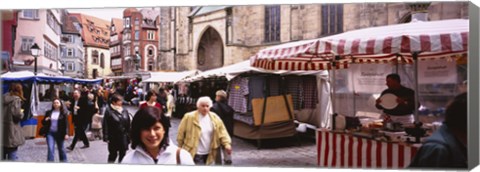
(149, 13)
(95, 31)
(68, 26)
(118, 25)
(131, 9)
(206, 9)
(149, 17)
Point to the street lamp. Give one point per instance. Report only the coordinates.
(35, 50)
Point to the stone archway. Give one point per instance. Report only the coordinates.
(210, 50)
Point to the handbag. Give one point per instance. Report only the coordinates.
(43, 131)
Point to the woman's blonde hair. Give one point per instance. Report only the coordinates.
(17, 89)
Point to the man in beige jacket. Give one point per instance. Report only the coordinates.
(202, 133)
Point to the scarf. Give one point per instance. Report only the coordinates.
(151, 104)
(119, 109)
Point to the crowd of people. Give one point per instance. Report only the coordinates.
(204, 134)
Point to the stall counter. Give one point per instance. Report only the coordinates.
(344, 150)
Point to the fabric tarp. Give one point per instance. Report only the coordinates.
(434, 39)
(385, 44)
(231, 71)
(28, 76)
(169, 76)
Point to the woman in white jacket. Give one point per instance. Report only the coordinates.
(150, 142)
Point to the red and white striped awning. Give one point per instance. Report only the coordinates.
(433, 39)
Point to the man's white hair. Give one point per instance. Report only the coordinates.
(203, 100)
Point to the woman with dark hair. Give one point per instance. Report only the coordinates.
(12, 114)
(55, 123)
(150, 141)
(151, 98)
(116, 126)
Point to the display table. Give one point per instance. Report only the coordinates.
(347, 151)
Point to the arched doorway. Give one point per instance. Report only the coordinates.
(210, 50)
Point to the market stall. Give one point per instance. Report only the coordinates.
(251, 89)
(348, 151)
(35, 107)
(409, 44)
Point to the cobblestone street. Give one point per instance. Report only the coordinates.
(288, 152)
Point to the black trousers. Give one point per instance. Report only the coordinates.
(115, 151)
(80, 134)
(200, 159)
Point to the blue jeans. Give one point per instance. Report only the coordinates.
(52, 138)
(10, 154)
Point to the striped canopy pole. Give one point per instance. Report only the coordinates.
(415, 59)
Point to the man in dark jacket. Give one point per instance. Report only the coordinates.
(116, 129)
(447, 147)
(225, 112)
(80, 110)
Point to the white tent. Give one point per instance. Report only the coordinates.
(323, 87)
(169, 76)
(226, 71)
(231, 71)
(405, 43)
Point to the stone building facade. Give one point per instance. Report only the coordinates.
(213, 36)
(116, 64)
(96, 36)
(140, 40)
(71, 47)
(46, 34)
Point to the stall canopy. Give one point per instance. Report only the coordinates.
(432, 39)
(169, 76)
(222, 72)
(231, 71)
(407, 43)
(28, 76)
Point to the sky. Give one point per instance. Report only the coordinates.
(103, 13)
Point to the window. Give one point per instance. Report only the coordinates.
(49, 51)
(127, 51)
(150, 52)
(137, 21)
(78, 26)
(126, 22)
(112, 28)
(137, 34)
(272, 23)
(27, 42)
(94, 57)
(70, 66)
(151, 35)
(150, 65)
(52, 22)
(71, 52)
(63, 51)
(30, 14)
(102, 60)
(71, 39)
(332, 19)
(126, 36)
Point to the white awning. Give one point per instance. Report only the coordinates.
(169, 76)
